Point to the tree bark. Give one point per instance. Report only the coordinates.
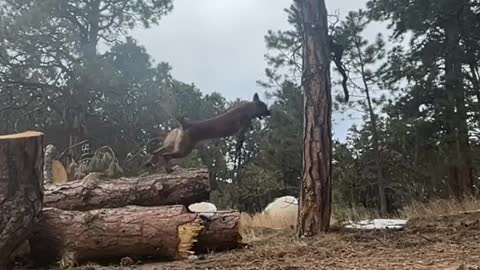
(315, 196)
(185, 186)
(165, 232)
(21, 190)
(50, 152)
(221, 232)
(74, 237)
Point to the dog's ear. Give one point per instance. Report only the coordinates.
(255, 97)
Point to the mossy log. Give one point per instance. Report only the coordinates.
(21, 190)
(185, 186)
(161, 233)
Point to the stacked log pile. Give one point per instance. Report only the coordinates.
(97, 219)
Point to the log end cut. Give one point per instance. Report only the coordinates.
(22, 135)
(188, 235)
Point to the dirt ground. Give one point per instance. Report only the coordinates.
(454, 249)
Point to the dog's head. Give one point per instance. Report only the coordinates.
(261, 108)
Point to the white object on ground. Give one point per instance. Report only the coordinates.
(282, 205)
(379, 224)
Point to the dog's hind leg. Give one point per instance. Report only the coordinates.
(175, 154)
(167, 165)
(156, 155)
(178, 146)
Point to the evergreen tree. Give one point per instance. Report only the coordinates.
(434, 64)
(361, 59)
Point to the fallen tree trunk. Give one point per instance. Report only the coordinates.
(74, 237)
(183, 187)
(221, 232)
(21, 190)
(168, 232)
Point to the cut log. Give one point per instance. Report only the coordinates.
(221, 232)
(94, 192)
(49, 156)
(75, 237)
(21, 190)
(59, 173)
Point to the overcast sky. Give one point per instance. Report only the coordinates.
(219, 44)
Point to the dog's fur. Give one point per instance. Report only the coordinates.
(180, 142)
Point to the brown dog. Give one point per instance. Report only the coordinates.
(180, 141)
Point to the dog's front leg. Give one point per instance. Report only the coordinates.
(239, 145)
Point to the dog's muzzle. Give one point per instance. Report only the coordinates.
(261, 116)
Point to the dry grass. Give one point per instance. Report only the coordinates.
(255, 227)
(440, 207)
(260, 226)
(275, 246)
(353, 214)
(416, 209)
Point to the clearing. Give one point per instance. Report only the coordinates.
(454, 248)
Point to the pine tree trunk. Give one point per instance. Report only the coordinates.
(21, 190)
(185, 186)
(315, 195)
(166, 232)
(74, 237)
